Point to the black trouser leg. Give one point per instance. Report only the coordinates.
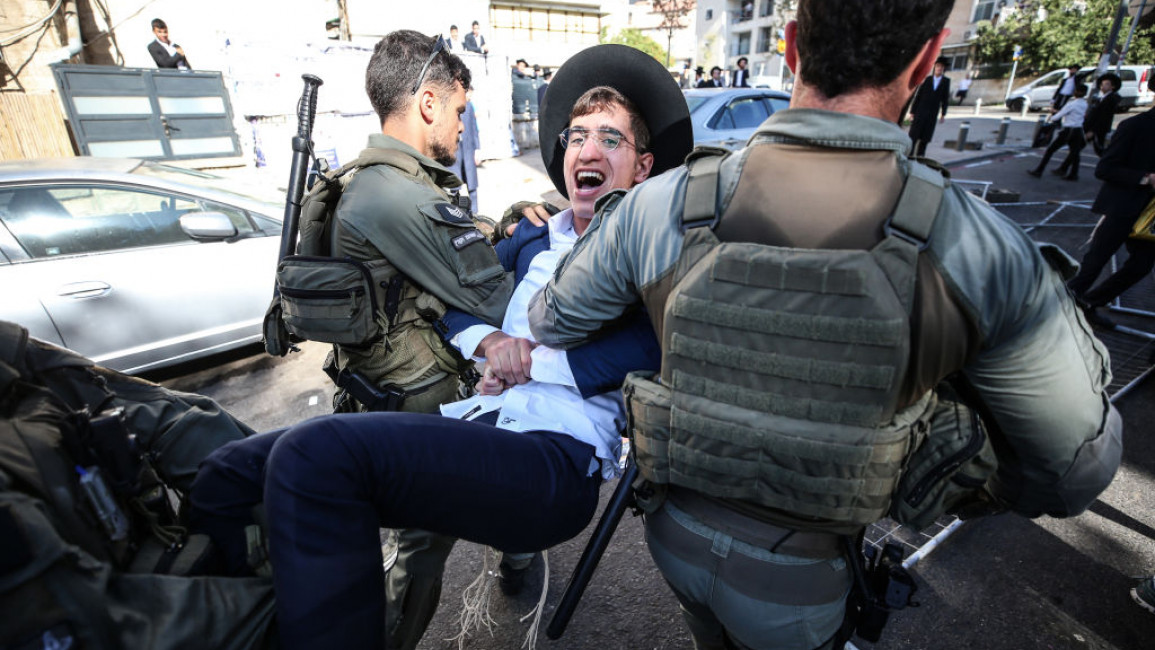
(1075, 143)
(1140, 261)
(1108, 237)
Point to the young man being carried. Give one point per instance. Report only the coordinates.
(525, 481)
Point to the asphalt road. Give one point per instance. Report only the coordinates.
(1004, 583)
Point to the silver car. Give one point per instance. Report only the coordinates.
(136, 265)
(727, 117)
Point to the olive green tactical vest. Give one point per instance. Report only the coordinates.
(381, 324)
(781, 367)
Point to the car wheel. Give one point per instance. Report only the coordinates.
(1015, 105)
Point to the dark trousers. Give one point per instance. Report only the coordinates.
(1072, 138)
(330, 483)
(1109, 236)
(921, 133)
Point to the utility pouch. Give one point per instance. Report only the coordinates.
(949, 471)
(648, 424)
(332, 300)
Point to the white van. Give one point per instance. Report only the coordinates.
(1037, 94)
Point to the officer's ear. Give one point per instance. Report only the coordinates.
(427, 104)
(922, 65)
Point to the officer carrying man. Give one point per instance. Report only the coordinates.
(403, 219)
(814, 295)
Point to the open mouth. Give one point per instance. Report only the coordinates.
(590, 180)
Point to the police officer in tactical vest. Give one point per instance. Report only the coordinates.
(822, 301)
(400, 222)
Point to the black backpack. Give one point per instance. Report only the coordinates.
(94, 466)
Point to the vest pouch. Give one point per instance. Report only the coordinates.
(331, 300)
(948, 472)
(648, 424)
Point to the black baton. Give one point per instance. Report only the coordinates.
(622, 498)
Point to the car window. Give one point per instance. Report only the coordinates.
(777, 104)
(71, 220)
(744, 113)
(1127, 75)
(1051, 79)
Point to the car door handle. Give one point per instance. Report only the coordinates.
(82, 290)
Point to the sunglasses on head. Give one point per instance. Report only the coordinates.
(438, 45)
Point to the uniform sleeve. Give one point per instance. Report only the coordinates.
(1040, 376)
(407, 223)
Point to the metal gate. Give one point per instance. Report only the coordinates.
(147, 113)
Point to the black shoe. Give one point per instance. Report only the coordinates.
(511, 579)
(1098, 319)
(1035, 172)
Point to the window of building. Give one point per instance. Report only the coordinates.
(766, 8)
(766, 41)
(747, 10)
(984, 10)
(709, 14)
(742, 44)
(519, 23)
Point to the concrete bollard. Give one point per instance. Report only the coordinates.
(963, 130)
(978, 105)
(1025, 109)
(1003, 126)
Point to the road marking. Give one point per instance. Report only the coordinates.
(978, 164)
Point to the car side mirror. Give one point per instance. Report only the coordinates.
(207, 225)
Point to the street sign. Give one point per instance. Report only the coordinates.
(1018, 53)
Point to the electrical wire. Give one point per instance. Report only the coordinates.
(28, 30)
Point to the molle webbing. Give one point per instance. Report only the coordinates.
(783, 368)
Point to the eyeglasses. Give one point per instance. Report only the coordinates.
(439, 45)
(608, 139)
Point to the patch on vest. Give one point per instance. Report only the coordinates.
(454, 214)
(461, 241)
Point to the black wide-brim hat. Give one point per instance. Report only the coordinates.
(636, 75)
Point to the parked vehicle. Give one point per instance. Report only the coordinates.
(727, 117)
(1037, 94)
(136, 265)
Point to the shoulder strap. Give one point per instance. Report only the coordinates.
(701, 201)
(917, 206)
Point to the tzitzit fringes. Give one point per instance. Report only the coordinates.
(475, 601)
(530, 642)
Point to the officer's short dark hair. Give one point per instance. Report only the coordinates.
(600, 98)
(157, 23)
(395, 65)
(844, 46)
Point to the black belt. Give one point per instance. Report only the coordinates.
(756, 532)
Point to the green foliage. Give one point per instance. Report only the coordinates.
(1073, 32)
(637, 40)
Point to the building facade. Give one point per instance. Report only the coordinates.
(728, 30)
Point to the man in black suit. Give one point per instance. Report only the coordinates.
(475, 42)
(1066, 88)
(1101, 115)
(932, 96)
(715, 80)
(741, 75)
(1127, 170)
(166, 54)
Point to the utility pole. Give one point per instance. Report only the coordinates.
(1130, 35)
(1105, 60)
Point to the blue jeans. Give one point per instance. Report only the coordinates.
(736, 595)
(330, 483)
